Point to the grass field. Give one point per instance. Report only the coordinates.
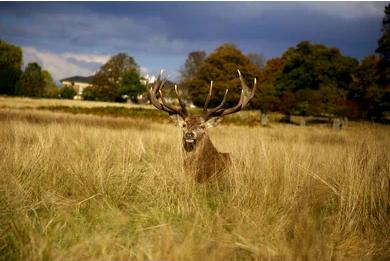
(88, 187)
(21, 102)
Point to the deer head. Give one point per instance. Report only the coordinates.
(195, 127)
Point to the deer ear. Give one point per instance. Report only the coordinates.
(178, 119)
(213, 122)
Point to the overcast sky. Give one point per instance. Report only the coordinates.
(76, 38)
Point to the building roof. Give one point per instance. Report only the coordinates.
(83, 79)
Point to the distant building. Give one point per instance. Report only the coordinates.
(78, 83)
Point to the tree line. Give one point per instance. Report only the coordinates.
(116, 80)
(33, 81)
(308, 79)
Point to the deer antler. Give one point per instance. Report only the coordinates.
(160, 102)
(246, 95)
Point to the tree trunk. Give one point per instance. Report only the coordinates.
(336, 124)
(345, 123)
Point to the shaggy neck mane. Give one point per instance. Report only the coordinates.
(205, 161)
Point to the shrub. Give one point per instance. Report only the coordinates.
(67, 92)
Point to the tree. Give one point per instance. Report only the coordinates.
(50, 88)
(368, 91)
(131, 84)
(221, 67)
(309, 68)
(191, 65)
(89, 94)
(107, 81)
(32, 82)
(257, 59)
(189, 70)
(384, 42)
(384, 63)
(333, 101)
(67, 92)
(10, 67)
(266, 100)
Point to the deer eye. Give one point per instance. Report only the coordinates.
(184, 125)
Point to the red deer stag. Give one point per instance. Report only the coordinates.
(201, 157)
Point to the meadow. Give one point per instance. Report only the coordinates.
(78, 186)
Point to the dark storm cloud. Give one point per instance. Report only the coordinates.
(152, 31)
(177, 26)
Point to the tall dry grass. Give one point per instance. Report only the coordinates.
(73, 190)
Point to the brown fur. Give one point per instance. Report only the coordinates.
(203, 161)
(202, 158)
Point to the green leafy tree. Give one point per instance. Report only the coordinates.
(50, 88)
(384, 67)
(384, 42)
(221, 67)
(67, 92)
(107, 81)
(308, 68)
(89, 94)
(333, 101)
(266, 100)
(368, 91)
(131, 84)
(32, 82)
(10, 67)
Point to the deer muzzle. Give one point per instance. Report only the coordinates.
(189, 140)
(189, 137)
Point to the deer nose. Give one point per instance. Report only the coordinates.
(189, 135)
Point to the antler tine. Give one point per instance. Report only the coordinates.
(154, 89)
(171, 109)
(206, 104)
(246, 88)
(208, 113)
(236, 108)
(182, 104)
(163, 105)
(246, 95)
(222, 102)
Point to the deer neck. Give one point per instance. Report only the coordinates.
(205, 161)
(204, 147)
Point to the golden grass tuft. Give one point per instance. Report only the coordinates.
(73, 189)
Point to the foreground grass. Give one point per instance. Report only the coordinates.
(74, 189)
